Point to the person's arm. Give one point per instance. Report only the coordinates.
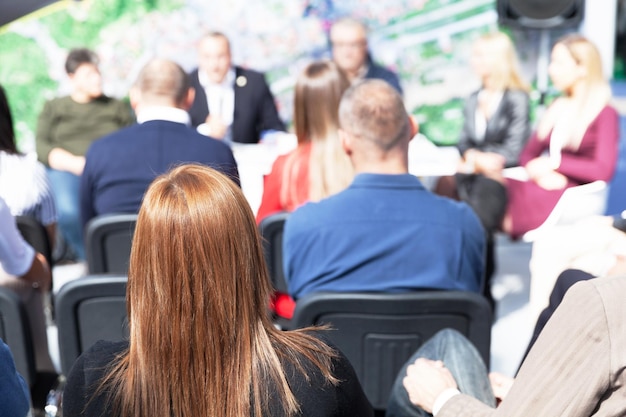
(63, 160)
(17, 257)
(533, 149)
(517, 129)
(469, 108)
(43, 140)
(39, 274)
(566, 373)
(270, 202)
(599, 164)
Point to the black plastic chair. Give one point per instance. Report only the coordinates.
(271, 229)
(108, 240)
(36, 235)
(15, 332)
(90, 309)
(379, 332)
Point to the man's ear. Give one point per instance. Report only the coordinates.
(135, 97)
(346, 141)
(188, 100)
(414, 126)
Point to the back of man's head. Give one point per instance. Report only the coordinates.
(372, 111)
(163, 82)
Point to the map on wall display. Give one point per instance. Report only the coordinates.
(426, 41)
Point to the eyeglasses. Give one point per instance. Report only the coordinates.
(348, 45)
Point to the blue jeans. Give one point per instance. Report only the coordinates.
(65, 187)
(462, 359)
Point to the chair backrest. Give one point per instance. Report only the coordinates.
(379, 332)
(108, 241)
(36, 235)
(271, 229)
(15, 331)
(575, 204)
(89, 309)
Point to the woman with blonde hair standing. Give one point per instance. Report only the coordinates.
(201, 340)
(576, 141)
(318, 167)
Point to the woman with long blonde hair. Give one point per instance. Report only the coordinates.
(576, 141)
(201, 339)
(318, 167)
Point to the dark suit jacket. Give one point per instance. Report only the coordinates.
(255, 109)
(375, 71)
(120, 166)
(507, 131)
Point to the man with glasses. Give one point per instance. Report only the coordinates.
(348, 38)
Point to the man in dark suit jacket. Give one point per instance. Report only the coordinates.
(119, 167)
(231, 102)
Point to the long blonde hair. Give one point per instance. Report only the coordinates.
(201, 340)
(316, 102)
(592, 96)
(505, 74)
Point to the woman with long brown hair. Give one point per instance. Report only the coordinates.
(201, 339)
(318, 167)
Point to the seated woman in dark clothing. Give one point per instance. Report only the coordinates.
(496, 126)
(201, 340)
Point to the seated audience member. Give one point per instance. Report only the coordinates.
(66, 128)
(348, 39)
(231, 102)
(575, 369)
(576, 140)
(596, 245)
(201, 339)
(14, 392)
(120, 167)
(27, 274)
(24, 184)
(318, 167)
(385, 232)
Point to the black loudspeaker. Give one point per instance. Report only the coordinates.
(540, 14)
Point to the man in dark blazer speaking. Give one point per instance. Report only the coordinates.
(119, 167)
(231, 103)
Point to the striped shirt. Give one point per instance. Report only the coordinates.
(25, 188)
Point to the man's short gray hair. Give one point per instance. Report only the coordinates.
(373, 110)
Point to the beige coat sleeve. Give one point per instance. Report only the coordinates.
(568, 371)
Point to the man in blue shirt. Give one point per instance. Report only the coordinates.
(386, 232)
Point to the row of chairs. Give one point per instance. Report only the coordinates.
(377, 332)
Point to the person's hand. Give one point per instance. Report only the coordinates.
(62, 160)
(216, 127)
(619, 268)
(488, 163)
(500, 385)
(425, 380)
(552, 181)
(538, 168)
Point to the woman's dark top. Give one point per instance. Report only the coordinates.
(507, 130)
(317, 398)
